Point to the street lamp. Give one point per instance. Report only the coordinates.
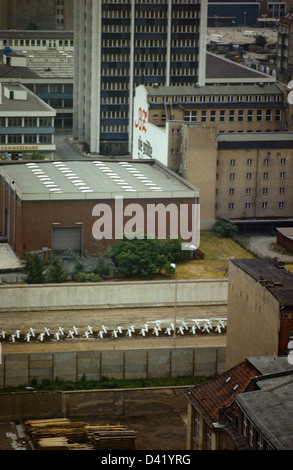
(173, 265)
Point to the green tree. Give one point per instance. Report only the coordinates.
(33, 268)
(171, 248)
(56, 270)
(260, 41)
(140, 257)
(225, 228)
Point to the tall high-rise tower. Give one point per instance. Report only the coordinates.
(120, 44)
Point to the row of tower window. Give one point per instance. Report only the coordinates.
(26, 139)
(147, 72)
(158, 43)
(248, 191)
(217, 98)
(268, 115)
(232, 176)
(248, 205)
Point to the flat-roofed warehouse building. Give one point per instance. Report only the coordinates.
(56, 205)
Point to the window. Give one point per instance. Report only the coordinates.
(250, 115)
(232, 176)
(248, 191)
(249, 161)
(203, 116)
(45, 122)
(281, 204)
(282, 190)
(240, 115)
(264, 205)
(196, 425)
(231, 191)
(247, 205)
(231, 116)
(30, 139)
(45, 139)
(282, 174)
(14, 139)
(231, 205)
(259, 442)
(232, 162)
(244, 426)
(222, 116)
(266, 176)
(266, 161)
(278, 115)
(30, 122)
(259, 115)
(190, 116)
(268, 115)
(208, 439)
(14, 122)
(283, 161)
(248, 176)
(265, 190)
(213, 116)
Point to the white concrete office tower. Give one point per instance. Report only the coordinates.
(120, 44)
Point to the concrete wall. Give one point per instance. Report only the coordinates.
(17, 369)
(101, 403)
(112, 294)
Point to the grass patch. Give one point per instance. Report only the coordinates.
(218, 251)
(106, 383)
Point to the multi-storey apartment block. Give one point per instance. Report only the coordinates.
(119, 45)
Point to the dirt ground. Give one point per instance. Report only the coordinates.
(156, 432)
(137, 317)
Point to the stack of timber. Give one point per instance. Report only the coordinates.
(62, 434)
(52, 443)
(56, 433)
(113, 438)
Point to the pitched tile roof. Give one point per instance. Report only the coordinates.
(217, 393)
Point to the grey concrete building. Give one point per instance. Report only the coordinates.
(119, 45)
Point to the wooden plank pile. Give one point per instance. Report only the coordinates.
(56, 433)
(113, 438)
(62, 434)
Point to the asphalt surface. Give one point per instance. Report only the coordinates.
(64, 150)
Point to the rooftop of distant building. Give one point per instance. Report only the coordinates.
(273, 276)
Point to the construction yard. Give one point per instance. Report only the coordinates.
(157, 432)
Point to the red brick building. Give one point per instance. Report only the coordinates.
(67, 206)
